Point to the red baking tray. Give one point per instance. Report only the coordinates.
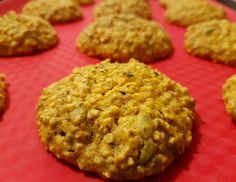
(211, 157)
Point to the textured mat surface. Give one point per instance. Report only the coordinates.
(211, 157)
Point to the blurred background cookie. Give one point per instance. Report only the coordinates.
(112, 7)
(55, 11)
(121, 37)
(229, 95)
(188, 13)
(121, 120)
(2, 92)
(214, 40)
(22, 35)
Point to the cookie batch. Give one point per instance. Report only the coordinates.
(119, 118)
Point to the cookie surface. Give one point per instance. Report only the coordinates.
(2, 92)
(229, 95)
(121, 37)
(126, 128)
(54, 11)
(22, 35)
(214, 40)
(185, 14)
(169, 3)
(112, 7)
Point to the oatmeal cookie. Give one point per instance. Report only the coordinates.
(121, 120)
(121, 37)
(112, 7)
(22, 35)
(229, 95)
(55, 11)
(214, 40)
(2, 92)
(185, 14)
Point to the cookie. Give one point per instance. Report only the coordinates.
(121, 37)
(214, 40)
(185, 14)
(114, 7)
(229, 95)
(121, 120)
(54, 11)
(22, 35)
(2, 92)
(84, 2)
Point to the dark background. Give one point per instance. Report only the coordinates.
(230, 3)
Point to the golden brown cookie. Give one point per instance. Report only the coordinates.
(121, 37)
(229, 95)
(84, 2)
(185, 14)
(22, 35)
(214, 40)
(120, 120)
(55, 11)
(2, 92)
(113, 7)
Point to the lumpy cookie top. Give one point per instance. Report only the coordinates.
(22, 34)
(111, 7)
(120, 120)
(121, 37)
(229, 95)
(213, 40)
(2, 92)
(186, 13)
(55, 11)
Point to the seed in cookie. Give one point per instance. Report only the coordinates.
(185, 14)
(22, 35)
(54, 11)
(121, 37)
(2, 92)
(121, 120)
(214, 40)
(113, 7)
(229, 95)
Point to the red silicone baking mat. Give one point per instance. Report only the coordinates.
(211, 157)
